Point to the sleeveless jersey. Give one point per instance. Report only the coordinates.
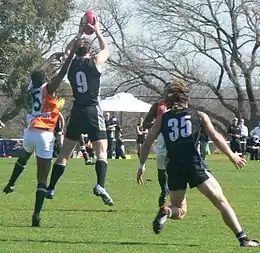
(84, 79)
(43, 109)
(181, 131)
(161, 109)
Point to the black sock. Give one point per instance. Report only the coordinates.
(241, 236)
(85, 155)
(40, 196)
(57, 171)
(101, 170)
(18, 169)
(138, 154)
(162, 179)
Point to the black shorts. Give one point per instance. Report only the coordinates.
(140, 139)
(180, 174)
(88, 120)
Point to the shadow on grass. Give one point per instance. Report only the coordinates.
(69, 210)
(97, 242)
(85, 210)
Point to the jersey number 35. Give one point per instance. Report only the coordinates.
(180, 127)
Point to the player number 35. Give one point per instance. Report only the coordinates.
(180, 127)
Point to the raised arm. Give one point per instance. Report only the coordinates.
(151, 115)
(55, 81)
(72, 42)
(145, 149)
(103, 54)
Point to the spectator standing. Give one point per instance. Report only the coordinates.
(141, 133)
(234, 131)
(252, 146)
(244, 135)
(119, 142)
(110, 127)
(204, 139)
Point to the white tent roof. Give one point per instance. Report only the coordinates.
(124, 102)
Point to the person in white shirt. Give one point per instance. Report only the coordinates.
(244, 135)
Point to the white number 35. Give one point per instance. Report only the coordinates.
(180, 127)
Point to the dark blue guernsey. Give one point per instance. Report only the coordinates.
(181, 131)
(84, 79)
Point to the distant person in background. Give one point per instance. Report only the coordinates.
(234, 131)
(110, 127)
(90, 150)
(256, 131)
(252, 147)
(83, 149)
(2, 126)
(244, 135)
(141, 133)
(204, 139)
(119, 143)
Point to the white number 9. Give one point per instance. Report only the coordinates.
(81, 81)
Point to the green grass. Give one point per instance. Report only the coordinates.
(77, 221)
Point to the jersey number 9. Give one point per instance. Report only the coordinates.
(180, 127)
(81, 81)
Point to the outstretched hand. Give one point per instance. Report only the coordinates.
(238, 161)
(96, 26)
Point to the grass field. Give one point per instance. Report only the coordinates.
(77, 221)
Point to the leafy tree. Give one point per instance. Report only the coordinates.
(29, 29)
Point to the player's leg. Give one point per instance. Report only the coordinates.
(17, 171)
(100, 147)
(72, 135)
(21, 162)
(162, 177)
(96, 129)
(177, 183)
(44, 145)
(233, 145)
(43, 168)
(60, 165)
(161, 155)
(138, 145)
(251, 154)
(90, 151)
(84, 151)
(257, 154)
(213, 191)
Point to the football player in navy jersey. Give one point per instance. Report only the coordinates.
(86, 115)
(181, 127)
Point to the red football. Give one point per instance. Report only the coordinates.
(89, 18)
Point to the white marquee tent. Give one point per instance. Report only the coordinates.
(124, 102)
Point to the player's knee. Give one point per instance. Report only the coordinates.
(102, 156)
(61, 160)
(22, 161)
(101, 149)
